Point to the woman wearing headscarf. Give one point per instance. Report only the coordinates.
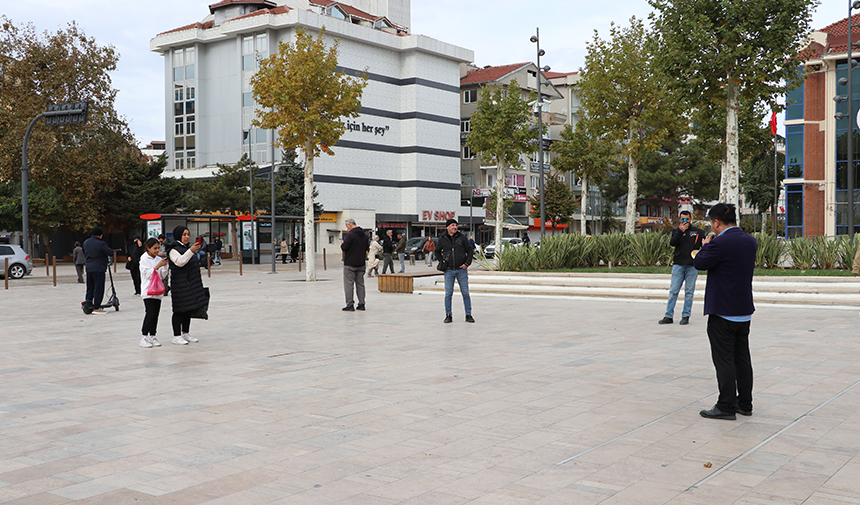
(186, 284)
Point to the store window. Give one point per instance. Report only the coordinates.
(794, 210)
(793, 151)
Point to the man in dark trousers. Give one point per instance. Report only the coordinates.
(401, 252)
(729, 259)
(455, 253)
(685, 239)
(134, 250)
(354, 247)
(387, 249)
(98, 256)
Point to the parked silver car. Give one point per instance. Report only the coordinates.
(19, 261)
(490, 249)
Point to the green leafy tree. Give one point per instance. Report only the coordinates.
(501, 136)
(71, 167)
(291, 177)
(678, 169)
(228, 191)
(559, 202)
(143, 190)
(626, 100)
(586, 156)
(490, 203)
(306, 99)
(731, 52)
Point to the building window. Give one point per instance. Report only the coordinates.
(465, 126)
(467, 153)
(466, 180)
(184, 60)
(794, 210)
(794, 151)
(794, 101)
(842, 157)
(534, 181)
(518, 209)
(470, 95)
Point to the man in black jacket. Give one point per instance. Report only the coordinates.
(98, 256)
(387, 250)
(455, 253)
(685, 239)
(354, 247)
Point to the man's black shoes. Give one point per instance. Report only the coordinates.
(744, 412)
(449, 318)
(360, 306)
(666, 320)
(348, 308)
(716, 413)
(685, 320)
(470, 319)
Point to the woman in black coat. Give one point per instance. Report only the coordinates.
(186, 284)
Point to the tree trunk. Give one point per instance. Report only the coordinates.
(310, 240)
(729, 181)
(500, 210)
(583, 205)
(632, 186)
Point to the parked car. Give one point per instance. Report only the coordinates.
(19, 261)
(414, 246)
(490, 249)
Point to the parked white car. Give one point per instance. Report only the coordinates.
(19, 261)
(490, 249)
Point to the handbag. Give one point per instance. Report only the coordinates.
(156, 286)
(201, 312)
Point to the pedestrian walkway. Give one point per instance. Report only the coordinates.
(288, 400)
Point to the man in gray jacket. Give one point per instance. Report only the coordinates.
(80, 259)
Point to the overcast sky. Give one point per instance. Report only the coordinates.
(497, 31)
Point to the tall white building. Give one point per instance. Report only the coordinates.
(398, 163)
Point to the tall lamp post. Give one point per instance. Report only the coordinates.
(250, 135)
(540, 52)
(272, 174)
(846, 81)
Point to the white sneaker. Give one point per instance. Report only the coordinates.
(180, 341)
(99, 311)
(189, 338)
(144, 342)
(154, 341)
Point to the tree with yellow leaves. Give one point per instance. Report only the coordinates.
(306, 100)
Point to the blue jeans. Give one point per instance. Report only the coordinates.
(462, 276)
(686, 274)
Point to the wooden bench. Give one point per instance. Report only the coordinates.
(402, 283)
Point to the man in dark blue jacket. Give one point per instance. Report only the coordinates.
(354, 247)
(98, 256)
(729, 258)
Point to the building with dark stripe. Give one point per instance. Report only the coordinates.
(397, 165)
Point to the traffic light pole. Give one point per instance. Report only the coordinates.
(76, 114)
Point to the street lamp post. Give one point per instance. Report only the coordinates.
(846, 81)
(272, 174)
(540, 52)
(56, 115)
(250, 133)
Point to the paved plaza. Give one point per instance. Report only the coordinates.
(288, 400)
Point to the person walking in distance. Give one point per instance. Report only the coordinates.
(285, 251)
(429, 248)
(455, 255)
(354, 247)
(685, 239)
(387, 250)
(151, 264)
(218, 246)
(134, 251)
(729, 258)
(98, 256)
(80, 260)
(373, 258)
(401, 252)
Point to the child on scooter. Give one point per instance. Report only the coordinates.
(151, 264)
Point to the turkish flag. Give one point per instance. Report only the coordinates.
(773, 124)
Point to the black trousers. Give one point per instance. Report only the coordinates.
(135, 278)
(181, 323)
(730, 351)
(150, 319)
(95, 288)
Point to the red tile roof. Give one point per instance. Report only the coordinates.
(490, 74)
(281, 9)
(200, 26)
(224, 3)
(837, 39)
(554, 75)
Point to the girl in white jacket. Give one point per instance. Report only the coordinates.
(151, 263)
